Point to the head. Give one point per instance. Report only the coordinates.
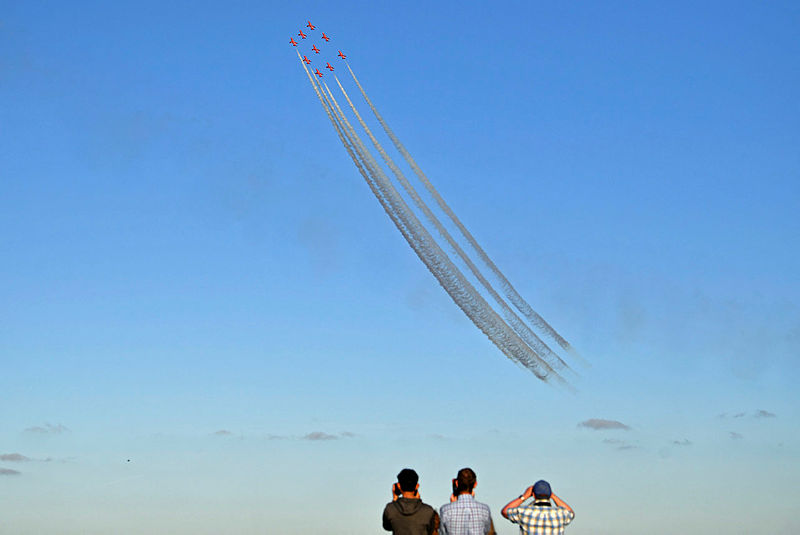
(541, 490)
(408, 480)
(465, 481)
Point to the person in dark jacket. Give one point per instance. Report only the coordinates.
(406, 514)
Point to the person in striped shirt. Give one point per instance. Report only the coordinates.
(539, 517)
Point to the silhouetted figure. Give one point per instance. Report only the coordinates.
(406, 514)
(539, 517)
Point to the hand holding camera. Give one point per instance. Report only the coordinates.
(397, 492)
(527, 494)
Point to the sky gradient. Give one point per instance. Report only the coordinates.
(209, 325)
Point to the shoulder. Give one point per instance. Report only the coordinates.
(566, 512)
(522, 511)
(427, 510)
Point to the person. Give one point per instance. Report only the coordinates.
(464, 515)
(540, 517)
(406, 514)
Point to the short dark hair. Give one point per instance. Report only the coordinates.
(408, 480)
(466, 480)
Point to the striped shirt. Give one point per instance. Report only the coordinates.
(539, 519)
(465, 517)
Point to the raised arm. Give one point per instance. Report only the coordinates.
(561, 503)
(516, 502)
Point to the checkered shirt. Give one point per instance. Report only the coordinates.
(465, 517)
(540, 520)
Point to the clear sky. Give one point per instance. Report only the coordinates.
(209, 325)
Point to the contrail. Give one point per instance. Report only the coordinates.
(508, 288)
(515, 321)
(462, 292)
(451, 279)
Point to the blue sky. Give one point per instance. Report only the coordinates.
(208, 324)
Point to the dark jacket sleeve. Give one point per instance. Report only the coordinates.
(387, 522)
(433, 527)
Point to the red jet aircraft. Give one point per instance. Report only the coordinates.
(301, 34)
(292, 41)
(306, 60)
(328, 66)
(341, 55)
(326, 37)
(310, 25)
(315, 49)
(316, 71)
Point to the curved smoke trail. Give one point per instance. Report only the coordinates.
(508, 288)
(515, 321)
(448, 275)
(459, 289)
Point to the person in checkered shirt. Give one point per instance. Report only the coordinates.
(464, 515)
(539, 517)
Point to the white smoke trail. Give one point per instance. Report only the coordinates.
(508, 288)
(451, 279)
(515, 321)
(459, 289)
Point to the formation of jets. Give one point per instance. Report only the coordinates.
(326, 38)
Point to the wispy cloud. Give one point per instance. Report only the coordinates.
(620, 444)
(598, 424)
(9, 472)
(735, 436)
(47, 429)
(684, 442)
(760, 413)
(319, 435)
(312, 436)
(13, 457)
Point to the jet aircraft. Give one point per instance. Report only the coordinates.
(292, 41)
(310, 25)
(315, 49)
(328, 66)
(316, 71)
(306, 60)
(325, 37)
(301, 34)
(341, 55)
